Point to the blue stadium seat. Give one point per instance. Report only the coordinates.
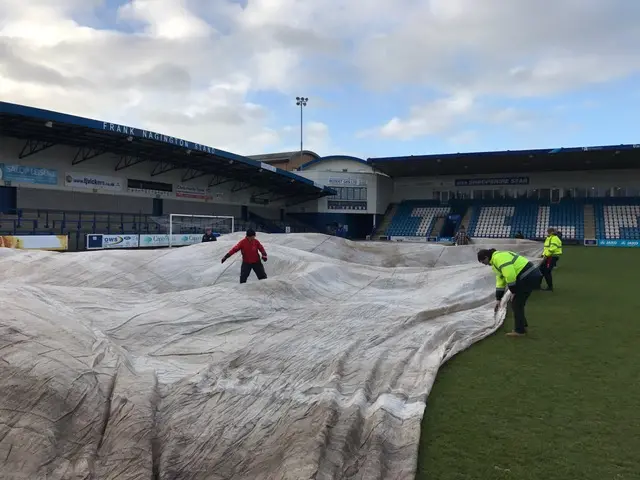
(416, 218)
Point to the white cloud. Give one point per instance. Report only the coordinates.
(437, 117)
(165, 19)
(192, 68)
(463, 139)
(315, 137)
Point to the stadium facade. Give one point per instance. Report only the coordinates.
(66, 175)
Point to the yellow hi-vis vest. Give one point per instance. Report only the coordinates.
(507, 266)
(552, 246)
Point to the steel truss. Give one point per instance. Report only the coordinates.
(84, 153)
(31, 147)
(191, 174)
(162, 167)
(239, 186)
(217, 180)
(263, 193)
(299, 199)
(127, 161)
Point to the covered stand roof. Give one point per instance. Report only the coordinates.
(42, 129)
(611, 157)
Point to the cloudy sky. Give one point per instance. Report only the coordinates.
(383, 77)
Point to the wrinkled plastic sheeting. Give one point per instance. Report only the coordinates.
(118, 365)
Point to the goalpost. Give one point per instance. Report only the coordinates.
(180, 224)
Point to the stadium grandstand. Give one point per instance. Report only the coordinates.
(71, 176)
(590, 194)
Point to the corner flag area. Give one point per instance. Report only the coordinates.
(562, 404)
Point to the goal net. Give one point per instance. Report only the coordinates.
(182, 224)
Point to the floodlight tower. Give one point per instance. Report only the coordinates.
(301, 102)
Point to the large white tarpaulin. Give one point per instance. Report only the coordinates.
(118, 365)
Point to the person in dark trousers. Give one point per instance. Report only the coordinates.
(552, 247)
(209, 236)
(555, 258)
(519, 275)
(252, 252)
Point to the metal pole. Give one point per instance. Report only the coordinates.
(301, 102)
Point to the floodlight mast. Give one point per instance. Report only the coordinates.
(301, 102)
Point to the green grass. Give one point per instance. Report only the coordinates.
(562, 404)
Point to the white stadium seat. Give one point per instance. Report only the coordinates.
(491, 221)
(619, 216)
(428, 214)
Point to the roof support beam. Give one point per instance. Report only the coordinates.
(162, 167)
(31, 147)
(83, 154)
(239, 186)
(191, 174)
(127, 161)
(263, 193)
(284, 197)
(218, 180)
(300, 200)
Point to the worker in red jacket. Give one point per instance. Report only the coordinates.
(251, 248)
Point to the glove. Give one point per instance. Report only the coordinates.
(264, 258)
(224, 259)
(497, 307)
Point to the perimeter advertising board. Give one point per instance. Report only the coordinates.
(103, 242)
(153, 241)
(89, 181)
(619, 243)
(35, 242)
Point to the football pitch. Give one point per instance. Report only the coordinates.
(562, 404)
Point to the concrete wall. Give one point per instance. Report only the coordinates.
(101, 198)
(86, 202)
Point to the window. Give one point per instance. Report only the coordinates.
(147, 185)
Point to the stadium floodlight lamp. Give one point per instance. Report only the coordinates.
(301, 102)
